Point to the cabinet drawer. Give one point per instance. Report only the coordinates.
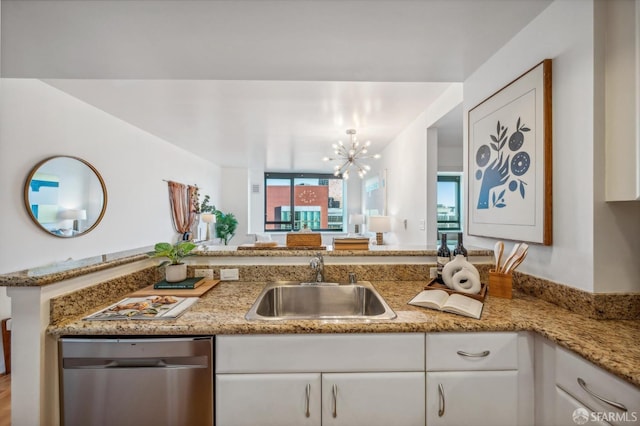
(472, 351)
(570, 367)
(320, 353)
(569, 411)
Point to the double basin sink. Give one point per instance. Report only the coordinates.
(320, 301)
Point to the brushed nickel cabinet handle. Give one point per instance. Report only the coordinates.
(617, 405)
(474, 355)
(440, 400)
(307, 412)
(334, 391)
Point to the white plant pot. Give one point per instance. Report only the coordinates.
(176, 273)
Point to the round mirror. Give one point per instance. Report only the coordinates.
(65, 196)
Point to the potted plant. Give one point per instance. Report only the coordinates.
(175, 270)
(226, 225)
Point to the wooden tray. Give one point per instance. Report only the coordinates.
(435, 285)
(182, 292)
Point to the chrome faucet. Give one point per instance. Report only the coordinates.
(317, 266)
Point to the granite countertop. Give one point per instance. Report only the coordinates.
(283, 251)
(55, 272)
(610, 344)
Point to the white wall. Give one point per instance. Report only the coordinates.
(411, 160)
(450, 158)
(577, 119)
(38, 121)
(236, 192)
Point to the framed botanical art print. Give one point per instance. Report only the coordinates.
(509, 170)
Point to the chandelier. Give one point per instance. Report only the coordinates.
(351, 156)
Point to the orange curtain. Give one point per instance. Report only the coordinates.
(182, 200)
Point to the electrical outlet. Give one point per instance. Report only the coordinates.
(205, 273)
(229, 274)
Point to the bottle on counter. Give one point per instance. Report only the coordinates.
(444, 254)
(460, 248)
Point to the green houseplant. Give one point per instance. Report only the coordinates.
(226, 224)
(175, 269)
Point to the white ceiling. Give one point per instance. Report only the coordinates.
(258, 83)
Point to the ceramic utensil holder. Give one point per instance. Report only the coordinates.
(500, 285)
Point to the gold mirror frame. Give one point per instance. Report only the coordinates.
(51, 216)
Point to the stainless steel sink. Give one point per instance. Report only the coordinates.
(326, 301)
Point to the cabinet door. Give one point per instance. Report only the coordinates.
(267, 399)
(570, 412)
(596, 388)
(472, 398)
(373, 399)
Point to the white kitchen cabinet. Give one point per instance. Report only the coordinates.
(472, 398)
(356, 379)
(373, 399)
(480, 378)
(301, 353)
(569, 411)
(268, 399)
(611, 398)
(344, 399)
(622, 100)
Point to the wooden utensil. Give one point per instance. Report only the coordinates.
(520, 251)
(514, 250)
(518, 258)
(498, 249)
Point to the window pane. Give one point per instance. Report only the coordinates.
(449, 203)
(278, 205)
(317, 202)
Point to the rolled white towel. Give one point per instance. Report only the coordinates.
(465, 281)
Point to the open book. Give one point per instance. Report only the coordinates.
(455, 303)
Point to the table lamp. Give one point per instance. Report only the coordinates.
(208, 218)
(379, 225)
(76, 215)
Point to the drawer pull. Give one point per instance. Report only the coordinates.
(307, 411)
(474, 355)
(440, 400)
(617, 405)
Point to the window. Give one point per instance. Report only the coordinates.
(295, 201)
(449, 203)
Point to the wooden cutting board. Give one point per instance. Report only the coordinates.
(183, 292)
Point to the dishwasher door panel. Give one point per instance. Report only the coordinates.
(163, 382)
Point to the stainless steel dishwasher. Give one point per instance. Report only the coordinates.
(137, 381)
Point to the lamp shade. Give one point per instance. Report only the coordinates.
(208, 217)
(356, 219)
(73, 214)
(379, 223)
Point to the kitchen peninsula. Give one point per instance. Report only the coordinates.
(51, 303)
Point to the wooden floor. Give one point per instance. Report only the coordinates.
(5, 400)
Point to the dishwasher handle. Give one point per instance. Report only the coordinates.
(129, 363)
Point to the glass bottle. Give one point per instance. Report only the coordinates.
(460, 248)
(444, 254)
